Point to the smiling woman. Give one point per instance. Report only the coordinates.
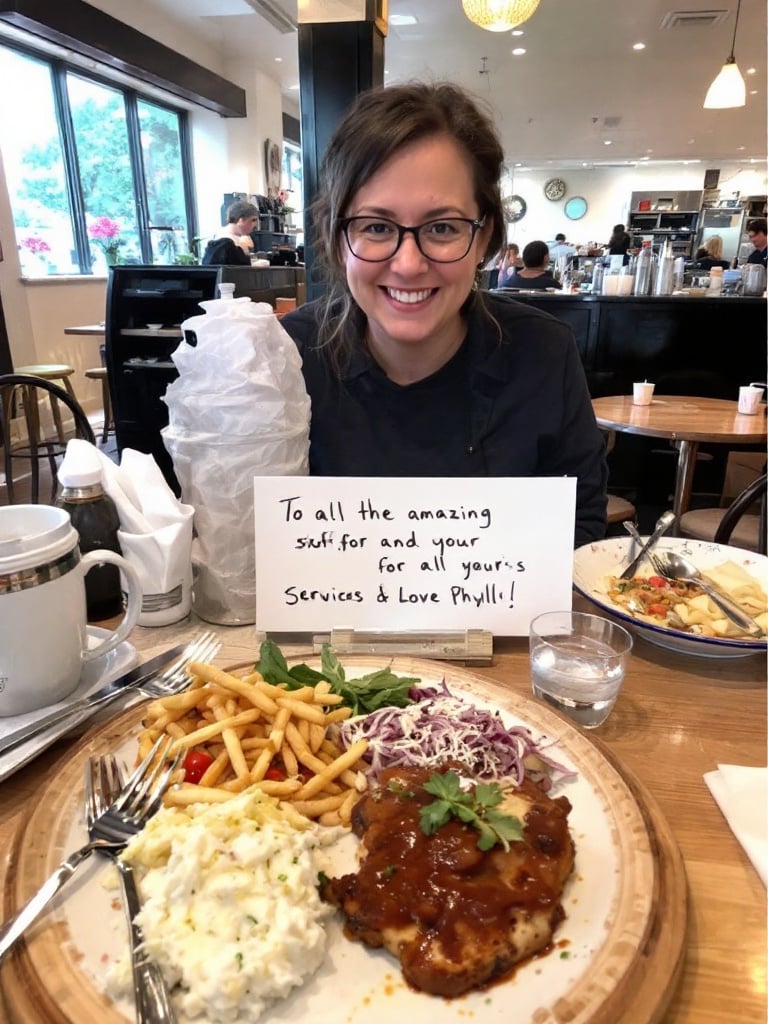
(411, 370)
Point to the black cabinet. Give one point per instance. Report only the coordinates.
(145, 309)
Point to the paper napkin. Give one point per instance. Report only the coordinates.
(742, 795)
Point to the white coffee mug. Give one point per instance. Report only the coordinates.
(43, 636)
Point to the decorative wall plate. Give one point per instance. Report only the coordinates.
(555, 189)
(575, 208)
(515, 208)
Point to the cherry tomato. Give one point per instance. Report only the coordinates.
(657, 609)
(657, 581)
(275, 774)
(195, 764)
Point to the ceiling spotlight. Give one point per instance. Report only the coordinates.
(728, 89)
(499, 15)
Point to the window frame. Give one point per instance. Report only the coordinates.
(59, 68)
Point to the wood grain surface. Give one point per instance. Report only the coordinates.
(649, 903)
(678, 716)
(682, 418)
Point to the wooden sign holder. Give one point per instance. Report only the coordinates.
(469, 645)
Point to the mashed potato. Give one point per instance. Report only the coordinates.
(230, 910)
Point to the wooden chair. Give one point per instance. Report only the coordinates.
(100, 373)
(736, 525)
(20, 397)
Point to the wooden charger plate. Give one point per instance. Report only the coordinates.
(617, 956)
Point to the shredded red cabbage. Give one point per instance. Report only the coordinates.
(439, 726)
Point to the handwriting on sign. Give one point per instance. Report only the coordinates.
(384, 553)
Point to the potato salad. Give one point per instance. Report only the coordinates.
(231, 910)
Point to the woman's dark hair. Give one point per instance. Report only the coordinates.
(380, 123)
(618, 236)
(535, 254)
(239, 209)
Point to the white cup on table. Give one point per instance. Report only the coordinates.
(43, 635)
(642, 393)
(749, 399)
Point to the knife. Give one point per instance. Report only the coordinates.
(130, 680)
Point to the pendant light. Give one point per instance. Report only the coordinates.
(728, 89)
(499, 15)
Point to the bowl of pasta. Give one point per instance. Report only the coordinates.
(677, 615)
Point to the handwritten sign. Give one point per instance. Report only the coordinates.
(411, 553)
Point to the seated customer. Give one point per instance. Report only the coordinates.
(535, 272)
(233, 245)
(711, 254)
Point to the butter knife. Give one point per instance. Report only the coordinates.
(130, 680)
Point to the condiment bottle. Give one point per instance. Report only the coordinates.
(94, 516)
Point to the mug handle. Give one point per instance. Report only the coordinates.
(133, 607)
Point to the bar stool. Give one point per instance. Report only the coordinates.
(620, 510)
(26, 391)
(100, 373)
(58, 373)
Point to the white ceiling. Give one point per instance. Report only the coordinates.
(579, 86)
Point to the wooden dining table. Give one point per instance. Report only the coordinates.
(687, 422)
(678, 717)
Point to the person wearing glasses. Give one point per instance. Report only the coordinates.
(411, 369)
(757, 231)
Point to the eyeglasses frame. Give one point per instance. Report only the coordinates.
(402, 231)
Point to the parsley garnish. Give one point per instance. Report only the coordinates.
(474, 807)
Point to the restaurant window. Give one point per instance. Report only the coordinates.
(95, 172)
(293, 181)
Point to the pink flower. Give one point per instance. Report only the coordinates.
(104, 229)
(35, 245)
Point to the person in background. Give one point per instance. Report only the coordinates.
(233, 245)
(512, 260)
(711, 254)
(411, 369)
(561, 248)
(535, 272)
(619, 243)
(757, 230)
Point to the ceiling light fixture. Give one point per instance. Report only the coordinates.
(728, 89)
(499, 15)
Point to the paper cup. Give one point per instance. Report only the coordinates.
(642, 393)
(749, 400)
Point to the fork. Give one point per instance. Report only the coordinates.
(140, 798)
(104, 783)
(173, 680)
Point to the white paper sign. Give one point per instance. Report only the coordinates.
(411, 553)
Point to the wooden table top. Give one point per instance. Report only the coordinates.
(677, 718)
(682, 418)
(88, 329)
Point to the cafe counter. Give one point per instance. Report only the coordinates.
(704, 346)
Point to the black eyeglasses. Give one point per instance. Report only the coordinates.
(375, 239)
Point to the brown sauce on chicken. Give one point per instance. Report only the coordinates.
(456, 917)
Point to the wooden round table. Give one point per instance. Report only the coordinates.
(687, 421)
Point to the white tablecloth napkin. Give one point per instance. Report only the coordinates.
(742, 795)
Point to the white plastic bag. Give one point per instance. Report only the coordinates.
(238, 409)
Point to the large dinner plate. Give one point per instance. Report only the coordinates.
(594, 563)
(616, 956)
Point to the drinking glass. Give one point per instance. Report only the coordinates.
(578, 663)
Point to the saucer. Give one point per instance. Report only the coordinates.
(94, 675)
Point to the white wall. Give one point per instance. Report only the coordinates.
(228, 155)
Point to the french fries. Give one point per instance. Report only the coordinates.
(257, 733)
